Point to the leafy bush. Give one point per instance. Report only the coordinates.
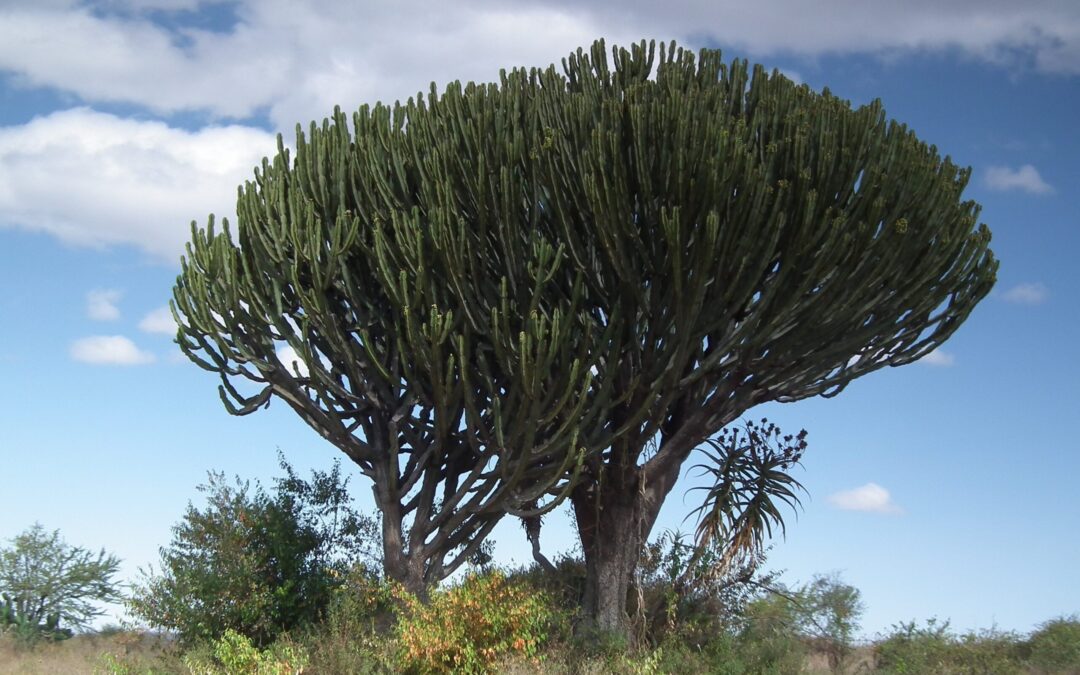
(1055, 646)
(468, 627)
(254, 563)
(45, 583)
(933, 648)
(986, 651)
(909, 648)
(235, 654)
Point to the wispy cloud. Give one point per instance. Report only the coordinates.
(1026, 294)
(938, 358)
(109, 350)
(101, 305)
(158, 321)
(870, 497)
(1025, 179)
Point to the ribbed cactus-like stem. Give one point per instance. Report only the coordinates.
(503, 293)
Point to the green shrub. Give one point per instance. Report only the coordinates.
(908, 648)
(769, 641)
(468, 627)
(1055, 646)
(235, 654)
(987, 652)
(254, 563)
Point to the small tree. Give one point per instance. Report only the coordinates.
(823, 612)
(255, 563)
(828, 612)
(50, 587)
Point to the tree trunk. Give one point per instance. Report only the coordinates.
(615, 516)
(404, 569)
(614, 527)
(397, 564)
(611, 543)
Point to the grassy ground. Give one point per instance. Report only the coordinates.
(125, 653)
(131, 653)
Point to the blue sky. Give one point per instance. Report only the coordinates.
(944, 488)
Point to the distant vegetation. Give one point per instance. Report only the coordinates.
(282, 581)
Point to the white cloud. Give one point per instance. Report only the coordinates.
(1026, 179)
(322, 54)
(296, 58)
(137, 182)
(793, 75)
(101, 305)
(111, 350)
(94, 179)
(290, 359)
(1027, 294)
(159, 321)
(938, 358)
(870, 497)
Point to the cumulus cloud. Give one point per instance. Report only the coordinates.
(870, 497)
(137, 182)
(1027, 294)
(938, 358)
(158, 321)
(294, 59)
(109, 350)
(1025, 179)
(297, 58)
(101, 305)
(95, 179)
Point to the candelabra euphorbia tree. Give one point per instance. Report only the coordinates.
(565, 282)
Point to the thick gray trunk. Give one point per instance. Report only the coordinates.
(613, 532)
(614, 524)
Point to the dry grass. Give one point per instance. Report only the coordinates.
(89, 654)
(859, 661)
